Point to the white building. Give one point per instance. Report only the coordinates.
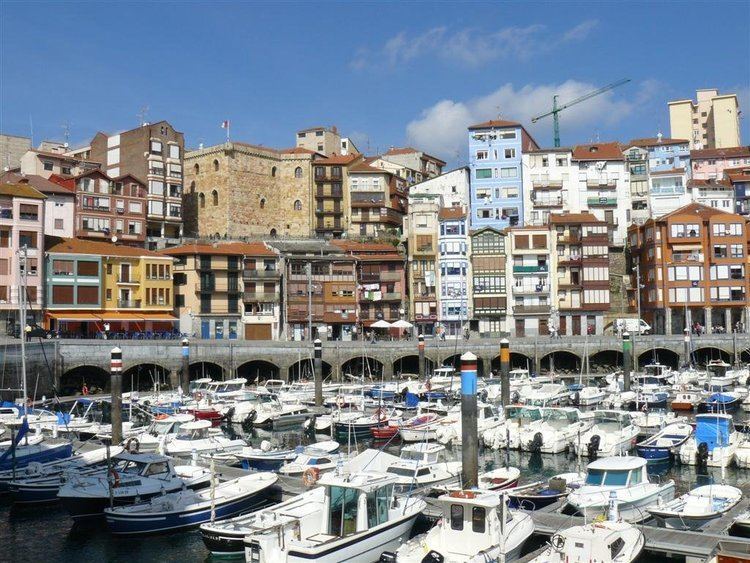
(718, 194)
(452, 186)
(550, 184)
(454, 270)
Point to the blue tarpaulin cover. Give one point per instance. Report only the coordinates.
(712, 429)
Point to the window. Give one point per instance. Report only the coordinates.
(457, 517)
(59, 224)
(298, 172)
(216, 165)
(510, 153)
(262, 203)
(155, 187)
(62, 294)
(478, 519)
(156, 147)
(62, 267)
(88, 268)
(482, 155)
(483, 173)
(27, 239)
(135, 207)
(508, 172)
(215, 197)
(297, 205)
(196, 168)
(201, 200)
(156, 208)
(48, 165)
(174, 151)
(88, 295)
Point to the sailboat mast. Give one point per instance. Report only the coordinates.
(21, 279)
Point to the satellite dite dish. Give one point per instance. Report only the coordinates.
(114, 239)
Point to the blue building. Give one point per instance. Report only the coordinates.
(668, 172)
(495, 164)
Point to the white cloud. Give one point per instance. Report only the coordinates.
(441, 128)
(467, 46)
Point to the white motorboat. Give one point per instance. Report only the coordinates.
(263, 409)
(350, 518)
(132, 477)
(553, 434)
(650, 422)
(619, 400)
(268, 458)
(311, 464)
(162, 429)
(196, 437)
(508, 434)
(613, 433)
(696, 508)
(449, 432)
(612, 541)
(422, 465)
(714, 443)
(548, 395)
(425, 429)
(476, 527)
(499, 478)
(627, 477)
(742, 455)
(589, 396)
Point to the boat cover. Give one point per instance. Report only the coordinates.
(712, 430)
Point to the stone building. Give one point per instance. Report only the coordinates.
(240, 190)
(12, 148)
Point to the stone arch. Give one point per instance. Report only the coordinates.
(256, 371)
(410, 364)
(363, 365)
(298, 172)
(215, 197)
(96, 379)
(605, 361)
(303, 369)
(298, 205)
(517, 360)
(143, 377)
(560, 361)
(216, 165)
(454, 361)
(201, 200)
(701, 356)
(206, 369)
(659, 355)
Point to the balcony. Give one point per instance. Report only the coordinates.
(260, 274)
(392, 296)
(601, 201)
(156, 171)
(260, 297)
(534, 269)
(207, 285)
(601, 183)
(126, 279)
(390, 276)
(573, 259)
(530, 289)
(693, 257)
(546, 184)
(531, 309)
(129, 303)
(553, 202)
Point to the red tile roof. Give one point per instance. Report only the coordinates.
(494, 123)
(80, 246)
(710, 183)
(655, 141)
(728, 152)
(39, 182)
(451, 213)
(598, 151)
(338, 159)
(566, 218)
(739, 174)
(64, 157)
(221, 248)
(21, 190)
(703, 211)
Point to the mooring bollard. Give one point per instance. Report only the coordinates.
(469, 438)
(318, 365)
(505, 372)
(115, 370)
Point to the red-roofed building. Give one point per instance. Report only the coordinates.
(378, 200)
(332, 196)
(709, 164)
(59, 207)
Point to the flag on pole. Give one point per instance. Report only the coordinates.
(225, 124)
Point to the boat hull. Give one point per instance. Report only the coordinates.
(633, 511)
(41, 453)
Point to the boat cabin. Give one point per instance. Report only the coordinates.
(523, 415)
(194, 430)
(200, 385)
(593, 543)
(276, 385)
(617, 472)
(717, 368)
(129, 467)
(227, 388)
(470, 522)
(560, 417)
(656, 370)
(356, 503)
(415, 460)
(619, 419)
(714, 429)
(518, 376)
(170, 424)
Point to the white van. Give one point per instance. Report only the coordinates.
(631, 325)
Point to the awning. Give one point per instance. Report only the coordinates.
(118, 316)
(158, 317)
(68, 316)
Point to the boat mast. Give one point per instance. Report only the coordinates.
(21, 279)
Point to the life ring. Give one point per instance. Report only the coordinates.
(130, 442)
(310, 476)
(115, 478)
(198, 396)
(557, 542)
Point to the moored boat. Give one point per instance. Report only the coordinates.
(697, 507)
(663, 445)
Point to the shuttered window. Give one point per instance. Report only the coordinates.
(88, 268)
(88, 295)
(62, 294)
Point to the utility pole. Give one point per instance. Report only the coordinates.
(22, 260)
(308, 271)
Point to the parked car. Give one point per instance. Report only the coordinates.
(35, 331)
(631, 325)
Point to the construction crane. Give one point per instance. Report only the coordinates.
(557, 109)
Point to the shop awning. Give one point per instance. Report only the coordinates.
(162, 317)
(71, 316)
(118, 316)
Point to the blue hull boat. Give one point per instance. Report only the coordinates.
(720, 403)
(188, 509)
(661, 446)
(36, 453)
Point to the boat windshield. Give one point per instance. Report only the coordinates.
(411, 455)
(402, 471)
(611, 418)
(608, 478)
(342, 515)
(563, 416)
(162, 427)
(529, 414)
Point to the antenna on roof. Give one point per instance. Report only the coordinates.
(498, 112)
(66, 132)
(31, 129)
(142, 115)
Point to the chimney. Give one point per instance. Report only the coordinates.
(334, 129)
(658, 137)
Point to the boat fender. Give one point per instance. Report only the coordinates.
(133, 446)
(252, 416)
(114, 478)
(265, 446)
(557, 542)
(433, 557)
(310, 476)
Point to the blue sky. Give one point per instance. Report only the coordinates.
(384, 73)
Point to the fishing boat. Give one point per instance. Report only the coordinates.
(264, 410)
(311, 464)
(361, 426)
(386, 432)
(159, 432)
(685, 401)
(476, 527)
(195, 437)
(714, 443)
(499, 479)
(697, 507)
(649, 400)
(430, 416)
(187, 508)
(133, 477)
(422, 465)
(719, 376)
(613, 433)
(610, 540)
(663, 445)
(724, 402)
(588, 396)
(210, 413)
(543, 493)
(553, 434)
(626, 476)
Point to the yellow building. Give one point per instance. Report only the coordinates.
(711, 122)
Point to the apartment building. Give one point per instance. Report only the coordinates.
(709, 164)
(412, 164)
(381, 282)
(581, 285)
(59, 205)
(91, 285)
(718, 194)
(454, 271)
(326, 141)
(740, 179)
(550, 184)
(712, 121)
(488, 287)
(320, 290)
(111, 209)
(636, 165)
(21, 227)
(604, 179)
(262, 315)
(236, 190)
(152, 153)
(420, 234)
(693, 265)
(452, 186)
(46, 163)
(12, 148)
(528, 270)
(496, 173)
(378, 200)
(332, 196)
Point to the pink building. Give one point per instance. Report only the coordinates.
(709, 164)
(21, 224)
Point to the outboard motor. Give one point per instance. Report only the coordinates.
(593, 446)
(433, 557)
(387, 557)
(229, 414)
(515, 396)
(701, 457)
(535, 445)
(577, 398)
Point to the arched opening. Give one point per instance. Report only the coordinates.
(745, 356)
(298, 205)
(216, 165)
(215, 197)
(256, 371)
(659, 356)
(366, 367)
(454, 361)
(95, 378)
(273, 233)
(304, 370)
(192, 187)
(206, 369)
(517, 361)
(410, 365)
(202, 200)
(605, 361)
(262, 203)
(561, 362)
(196, 168)
(273, 172)
(298, 172)
(144, 377)
(702, 356)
